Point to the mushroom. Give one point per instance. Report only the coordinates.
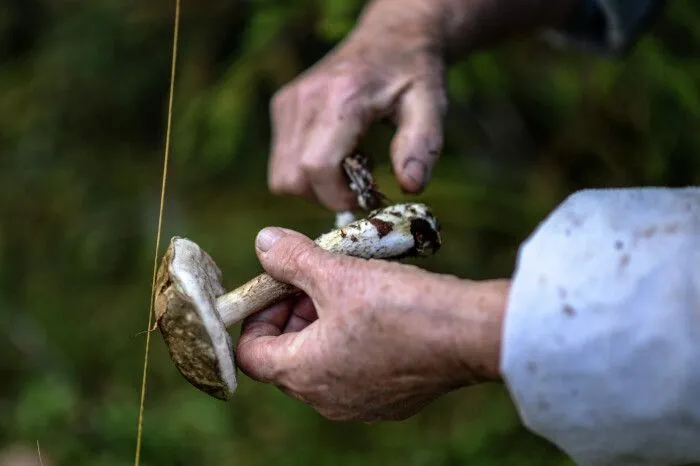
(193, 310)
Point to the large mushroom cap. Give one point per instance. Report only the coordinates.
(188, 284)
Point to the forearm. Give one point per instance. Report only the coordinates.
(465, 323)
(461, 26)
(484, 304)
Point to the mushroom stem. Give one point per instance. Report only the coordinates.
(395, 232)
(257, 294)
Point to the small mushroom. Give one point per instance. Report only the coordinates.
(193, 309)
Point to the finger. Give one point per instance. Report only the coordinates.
(296, 324)
(293, 258)
(351, 102)
(269, 322)
(305, 309)
(261, 352)
(282, 112)
(302, 315)
(285, 175)
(265, 358)
(334, 138)
(418, 141)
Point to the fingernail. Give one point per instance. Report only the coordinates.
(267, 237)
(416, 171)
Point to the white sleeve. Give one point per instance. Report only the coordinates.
(601, 343)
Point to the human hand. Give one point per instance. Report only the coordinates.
(370, 340)
(389, 67)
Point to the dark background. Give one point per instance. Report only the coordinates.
(83, 89)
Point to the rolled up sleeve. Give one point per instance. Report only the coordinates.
(601, 342)
(609, 27)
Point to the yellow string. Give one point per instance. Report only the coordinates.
(176, 34)
(38, 450)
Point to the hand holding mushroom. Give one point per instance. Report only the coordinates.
(193, 310)
(368, 340)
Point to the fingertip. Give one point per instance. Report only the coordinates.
(265, 357)
(255, 353)
(412, 164)
(288, 256)
(254, 358)
(413, 176)
(414, 154)
(417, 145)
(268, 237)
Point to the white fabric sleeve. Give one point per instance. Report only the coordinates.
(601, 342)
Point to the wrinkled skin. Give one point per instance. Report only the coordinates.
(370, 340)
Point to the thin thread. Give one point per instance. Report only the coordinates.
(176, 33)
(38, 450)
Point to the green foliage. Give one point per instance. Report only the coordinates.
(83, 91)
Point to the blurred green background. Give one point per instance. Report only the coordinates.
(83, 89)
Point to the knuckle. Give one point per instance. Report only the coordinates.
(339, 275)
(289, 183)
(348, 81)
(347, 90)
(301, 382)
(295, 259)
(315, 167)
(303, 257)
(309, 91)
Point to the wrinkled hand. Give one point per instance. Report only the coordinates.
(389, 67)
(369, 340)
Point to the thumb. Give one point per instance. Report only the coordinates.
(290, 257)
(418, 141)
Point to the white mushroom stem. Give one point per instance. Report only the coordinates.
(403, 230)
(251, 297)
(344, 218)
